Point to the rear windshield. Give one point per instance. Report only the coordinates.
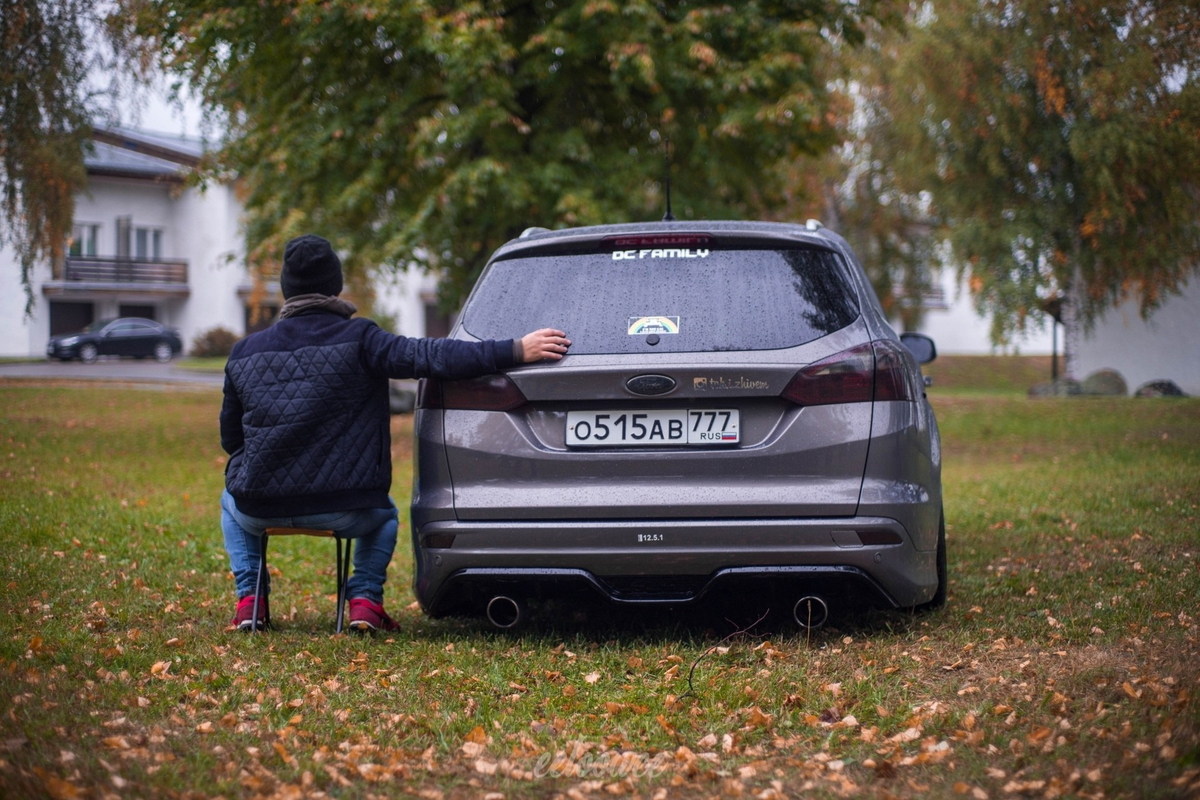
(693, 300)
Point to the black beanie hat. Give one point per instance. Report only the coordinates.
(310, 267)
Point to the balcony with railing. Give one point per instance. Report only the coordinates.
(930, 298)
(76, 275)
(124, 270)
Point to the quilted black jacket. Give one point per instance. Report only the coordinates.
(305, 419)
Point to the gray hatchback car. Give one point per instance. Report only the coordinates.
(735, 418)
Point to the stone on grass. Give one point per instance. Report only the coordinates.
(1105, 383)
(1160, 388)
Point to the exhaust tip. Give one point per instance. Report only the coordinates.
(811, 612)
(504, 612)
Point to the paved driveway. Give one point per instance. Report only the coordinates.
(112, 369)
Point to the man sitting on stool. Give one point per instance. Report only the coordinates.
(306, 423)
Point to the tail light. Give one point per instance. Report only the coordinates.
(847, 377)
(876, 371)
(891, 372)
(661, 240)
(489, 393)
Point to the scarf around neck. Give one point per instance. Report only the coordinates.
(304, 303)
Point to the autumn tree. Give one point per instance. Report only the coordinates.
(433, 131)
(44, 123)
(1061, 143)
(853, 189)
(65, 65)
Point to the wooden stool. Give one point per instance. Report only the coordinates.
(343, 568)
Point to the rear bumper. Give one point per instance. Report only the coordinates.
(860, 560)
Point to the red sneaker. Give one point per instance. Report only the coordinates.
(243, 618)
(367, 616)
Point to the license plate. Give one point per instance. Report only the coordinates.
(653, 428)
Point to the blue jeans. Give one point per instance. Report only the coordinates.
(374, 529)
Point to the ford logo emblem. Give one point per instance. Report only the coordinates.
(650, 384)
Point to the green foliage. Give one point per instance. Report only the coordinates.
(890, 230)
(433, 131)
(854, 191)
(1061, 142)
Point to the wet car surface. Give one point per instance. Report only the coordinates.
(735, 417)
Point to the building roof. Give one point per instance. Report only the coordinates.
(131, 153)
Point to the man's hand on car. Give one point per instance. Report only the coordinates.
(542, 344)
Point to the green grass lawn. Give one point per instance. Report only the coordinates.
(1065, 664)
(988, 374)
(211, 364)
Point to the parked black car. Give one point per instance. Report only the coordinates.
(128, 336)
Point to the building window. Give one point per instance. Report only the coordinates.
(147, 244)
(83, 240)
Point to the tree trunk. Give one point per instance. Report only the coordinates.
(1072, 322)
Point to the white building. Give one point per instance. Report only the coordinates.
(1164, 347)
(147, 244)
(144, 244)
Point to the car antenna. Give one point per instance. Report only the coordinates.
(668, 217)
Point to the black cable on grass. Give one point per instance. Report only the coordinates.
(740, 632)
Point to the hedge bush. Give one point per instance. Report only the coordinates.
(213, 343)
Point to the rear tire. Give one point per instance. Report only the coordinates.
(939, 596)
(88, 354)
(162, 352)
